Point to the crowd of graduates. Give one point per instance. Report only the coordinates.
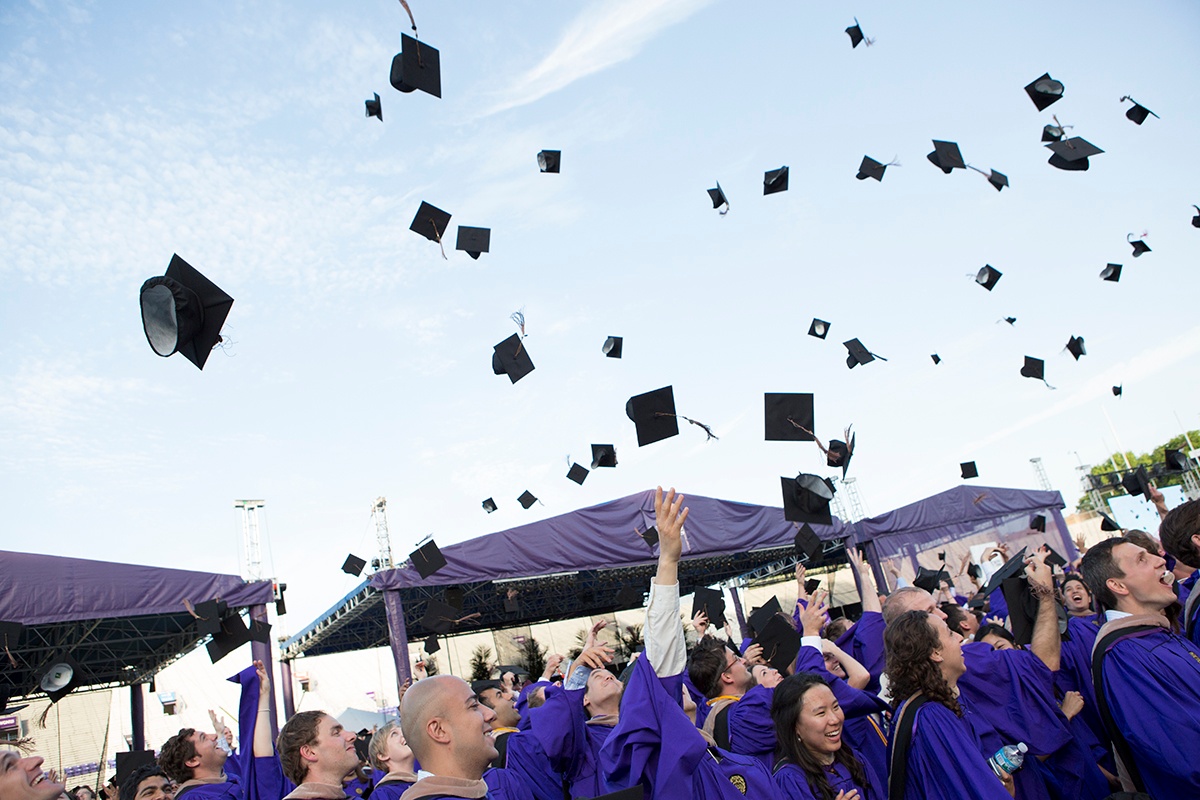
(928, 694)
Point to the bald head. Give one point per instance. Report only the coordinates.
(447, 728)
(423, 701)
(909, 598)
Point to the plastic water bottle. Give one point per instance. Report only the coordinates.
(1008, 759)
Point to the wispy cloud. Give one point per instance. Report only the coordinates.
(604, 34)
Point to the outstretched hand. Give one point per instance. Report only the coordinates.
(812, 618)
(700, 622)
(264, 680)
(669, 516)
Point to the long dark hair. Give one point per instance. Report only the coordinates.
(785, 711)
(909, 640)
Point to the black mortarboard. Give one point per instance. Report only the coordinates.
(549, 160)
(1009, 320)
(526, 499)
(511, 358)
(1054, 558)
(928, 579)
(974, 571)
(209, 613)
(1052, 133)
(650, 536)
(473, 240)
(1139, 112)
(1011, 568)
(712, 603)
(10, 634)
(431, 222)
(855, 33)
(1137, 482)
(997, 179)
(353, 565)
(260, 631)
(60, 677)
(455, 596)
(806, 499)
(1044, 91)
(362, 745)
(375, 108)
(128, 763)
(1038, 523)
(417, 66)
(785, 414)
(578, 473)
(858, 354)
(839, 454)
(718, 198)
(1073, 153)
(759, 617)
(604, 455)
(1107, 523)
(942, 556)
(936, 358)
(1075, 346)
(5, 708)
(479, 687)
(1111, 272)
(988, 277)
(183, 311)
(427, 559)
(946, 156)
(1139, 246)
(811, 585)
(819, 328)
(968, 470)
(1117, 390)
(780, 643)
(629, 596)
(439, 617)
(432, 645)
(653, 413)
(612, 346)
(1196, 219)
(1034, 368)
(233, 634)
(635, 792)
(775, 180)
(511, 604)
(870, 168)
(1176, 460)
(807, 543)
(489, 505)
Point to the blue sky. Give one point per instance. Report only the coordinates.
(234, 135)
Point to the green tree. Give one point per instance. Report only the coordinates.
(481, 663)
(1114, 467)
(629, 639)
(581, 637)
(533, 657)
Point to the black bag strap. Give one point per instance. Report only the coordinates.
(721, 727)
(1189, 612)
(1114, 733)
(902, 729)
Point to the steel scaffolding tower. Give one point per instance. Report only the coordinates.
(379, 514)
(251, 541)
(1040, 471)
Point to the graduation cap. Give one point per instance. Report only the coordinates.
(1075, 346)
(775, 180)
(489, 505)
(718, 198)
(807, 544)
(997, 179)
(1196, 219)
(759, 617)
(10, 635)
(653, 413)
(630, 596)
(578, 473)
(182, 312)
(635, 792)
(806, 499)
(856, 35)
(1011, 568)
(526, 499)
(511, 358)
(129, 763)
(819, 328)
(839, 453)
(431, 222)
(974, 571)
(712, 603)
(417, 66)
(928, 579)
(455, 596)
(936, 358)
(1111, 272)
(1035, 368)
(1118, 390)
(1138, 245)
(1038, 523)
(511, 604)
(432, 645)
(780, 643)
(1009, 320)
(233, 634)
(1072, 154)
(968, 470)
(427, 559)
(1138, 113)
(858, 354)
(5, 708)
(353, 565)
(788, 417)
(474, 240)
(439, 617)
(612, 346)
(1176, 461)
(604, 455)
(1052, 133)
(549, 160)
(1054, 558)
(650, 536)
(946, 156)
(988, 277)
(1107, 523)
(210, 612)
(1044, 91)
(362, 745)
(260, 631)
(870, 168)
(1137, 482)
(375, 108)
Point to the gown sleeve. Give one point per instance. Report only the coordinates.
(261, 778)
(944, 762)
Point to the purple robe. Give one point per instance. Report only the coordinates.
(944, 761)
(864, 641)
(1075, 675)
(390, 790)
(526, 759)
(1152, 685)
(698, 698)
(1186, 587)
(792, 783)
(252, 778)
(571, 742)
(504, 784)
(656, 745)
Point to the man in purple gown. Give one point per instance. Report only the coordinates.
(317, 753)
(449, 731)
(1180, 534)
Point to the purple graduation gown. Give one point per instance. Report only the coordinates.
(1186, 587)
(864, 641)
(944, 761)
(571, 743)
(792, 783)
(526, 759)
(252, 778)
(504, 784)
(656, 745)
(1152, 684)
(1075, 675)
(390, 790)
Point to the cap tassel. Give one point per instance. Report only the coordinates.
(11, 658)
(824, 450)
(438, 234)
(707, 429)
(410, 15)
(519, 318)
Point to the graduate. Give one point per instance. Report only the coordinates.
(654, 743)
(1146, 676)
(389, 753)
(448, 730)
(196, 762)
(317, 753)
(1180, 534)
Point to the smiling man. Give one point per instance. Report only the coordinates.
(23, 779)
(448, 730)
(148, 782)
(1147, 678)
(316, 752)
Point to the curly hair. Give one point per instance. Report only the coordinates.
(297, 732)
(1177, 530)
(129, 788)
(706, 664)
(175, 754)
(909, 641)
(785, 711)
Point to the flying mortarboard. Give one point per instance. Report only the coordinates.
(1138, 113)
(431, 222)
(612, 346)
(870, 168)
(1196, 219)
(712, 603)
(60, 677)
(489, 505)
(511, 358)
(208, 616)
(417, 66)
(775, 180)
(997, 179)
(1111, 272)
(806, 499)
(936, 358)
(1054, 558)
(455, 596)
(439, 617)
(858, 354)
(629, 596)
(1011, 568)
(375, 108)
(1072, 154)
(1138, 245)
(759, 617)
(974, 571)
(1052, 133)
(819, 328)
(1038, 523)
(128, 763)
(1176, 460)
(260, 631)
(719, 199)
(988, 276)
(233, 634)
(807, 544)
(649, 536)
(653, 414)
(1107, 523)
(946, 156)
(1009, 320)
(1044, 91)
(1076, 348)
(183, 311)
(526, 499)
(432, 645)
(604, 455)
(549, 160)
(1118, 390)
(5, 708)
(578, 473)
(427, 559)
(473, 240)
(788, 417)
(839, 453)
(1035, 368)
(928, 579)
(780, 643)
(856, 35)
(353, 565)
(1137, 482)
(968, 470)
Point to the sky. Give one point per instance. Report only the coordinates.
(358, 359)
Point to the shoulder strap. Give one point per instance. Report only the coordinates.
(901, 739)
(1114, 733)
(1189, 611)
(721, 727)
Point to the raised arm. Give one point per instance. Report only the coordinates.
(856, 674)
(263, 746)
(1046, 643)
(870, 597)
(664, 633)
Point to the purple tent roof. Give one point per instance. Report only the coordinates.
(960, 509)
(605, 536)
(38, 589)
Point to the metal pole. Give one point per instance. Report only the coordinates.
(289, 697)
(137, 716)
